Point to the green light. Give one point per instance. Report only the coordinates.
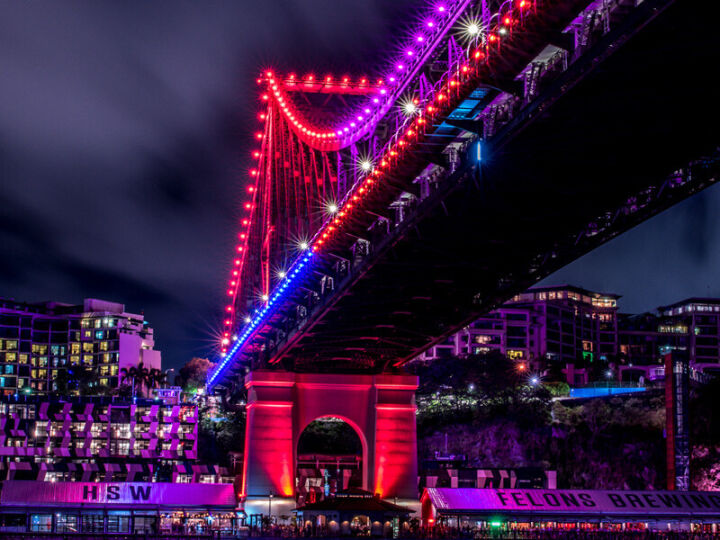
(496, 523)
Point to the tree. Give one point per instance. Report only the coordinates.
(194, 373)
(138, 377)
(157, 378)
(78, 380)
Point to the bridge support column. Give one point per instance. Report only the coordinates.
(381, 409)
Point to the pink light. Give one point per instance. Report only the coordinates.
(419, 39)
(430, 24)
(367, 111)
(441, 9)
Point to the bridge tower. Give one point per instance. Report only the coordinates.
(380, 408)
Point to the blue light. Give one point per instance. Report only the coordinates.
(478, 151)
(258, 318)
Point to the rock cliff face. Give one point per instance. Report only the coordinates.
(601, 444)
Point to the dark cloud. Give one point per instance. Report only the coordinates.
(124, 132)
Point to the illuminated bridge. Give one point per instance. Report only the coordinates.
(386, 210)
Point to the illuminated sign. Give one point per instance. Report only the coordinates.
(23, 493)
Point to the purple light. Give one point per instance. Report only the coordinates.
(339, 132)
(383, 91)
(367, 111)
(409, 52)
(419, 39)
(400, 68)
(441, 9)
(430, 24)
(376, 100)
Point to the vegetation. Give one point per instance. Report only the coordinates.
(79, 380)
(141, 380)
(490, 414)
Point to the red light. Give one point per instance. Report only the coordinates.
(251, 189)
(256, 154)
(346, 80)
(269, 73)
(245, 222)
(229, 309)
(265, 97)
(328, 79)
(237, 262)
(258, 135)
(242, 236)
(227, 322)
(231, 293)
(507, 21)
(239, 248)
(263, 116)
(248, 206)
(363, 81)
(310, 77)
(253, 172)
(492, 38)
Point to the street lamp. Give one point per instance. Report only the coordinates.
(270, 498)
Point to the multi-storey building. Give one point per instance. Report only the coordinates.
(37, 341)
(691, 325)
(542, 325)
(100, 439)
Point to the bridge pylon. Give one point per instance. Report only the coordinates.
(380, 408)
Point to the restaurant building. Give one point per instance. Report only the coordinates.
(562, 509)
(112, 508)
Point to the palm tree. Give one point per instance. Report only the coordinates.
(139, 375)
(157, 378)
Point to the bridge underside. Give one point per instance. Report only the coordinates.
(620, 132)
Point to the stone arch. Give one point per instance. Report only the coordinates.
(358, 431)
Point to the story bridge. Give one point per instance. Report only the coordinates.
(507, 141)
(385, 212)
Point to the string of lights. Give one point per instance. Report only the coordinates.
(411, 134)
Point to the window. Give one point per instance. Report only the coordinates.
(41, 522)
(93, 523)
(66, 523)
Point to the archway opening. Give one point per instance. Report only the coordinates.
(329, 460)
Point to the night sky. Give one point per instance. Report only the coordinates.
(125, 129)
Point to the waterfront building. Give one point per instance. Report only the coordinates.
(101, 439)
(39, 341)
(137, 508)
(540, 511)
